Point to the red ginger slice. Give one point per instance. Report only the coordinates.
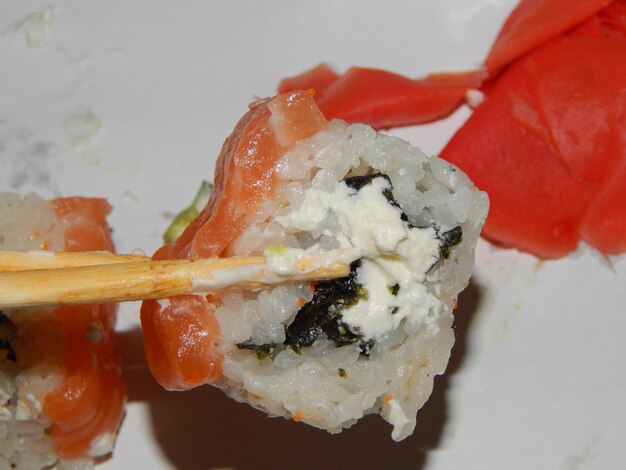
(580, 83)
(535, 204)
(604, 224)
(533, 22)
(319, 78)
(384, 99)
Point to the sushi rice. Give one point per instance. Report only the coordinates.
(389, 368)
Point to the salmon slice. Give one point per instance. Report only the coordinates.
(86, 410)
(534, 22)
(84, 223)
(180, 334)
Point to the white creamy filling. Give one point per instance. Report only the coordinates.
(218, 279)
(285, 261)
(394, 253)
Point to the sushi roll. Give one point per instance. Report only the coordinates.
(288, 183)
(62, 393)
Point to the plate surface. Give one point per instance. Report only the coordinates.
(132, 101)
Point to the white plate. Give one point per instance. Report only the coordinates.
(537, 377)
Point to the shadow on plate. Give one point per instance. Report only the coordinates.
(203, 429)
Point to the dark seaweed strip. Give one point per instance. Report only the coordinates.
(322, 312)
(357, 182)
(262, 350)
(448, 240)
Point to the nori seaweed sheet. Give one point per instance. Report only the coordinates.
(323, 312)
(448, 240)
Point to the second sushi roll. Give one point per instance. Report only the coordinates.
(62, 394)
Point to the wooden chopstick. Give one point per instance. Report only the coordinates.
(24, 260)
(115, 279)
